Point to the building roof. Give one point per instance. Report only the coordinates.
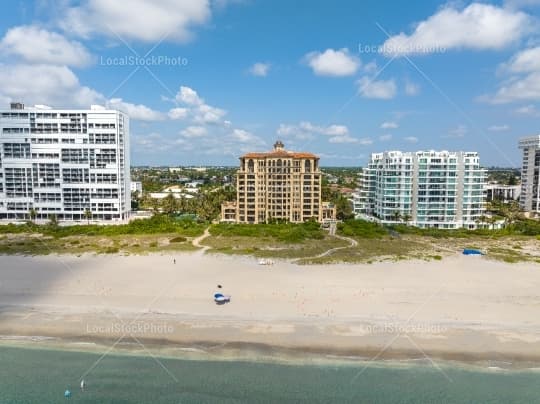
(279, 151)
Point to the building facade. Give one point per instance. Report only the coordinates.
(502, 193)
(437, 189)
(530, 190)
(278, 185)
(63, 163)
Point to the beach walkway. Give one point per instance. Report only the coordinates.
(352, 243)
(197, 241)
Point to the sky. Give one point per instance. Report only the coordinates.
(207, 80)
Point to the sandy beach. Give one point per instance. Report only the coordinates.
(464, 308)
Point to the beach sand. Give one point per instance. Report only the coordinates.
(462, 308)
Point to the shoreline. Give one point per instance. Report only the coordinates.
(458, 310)
(261, 353)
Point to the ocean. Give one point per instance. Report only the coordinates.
(36, 375)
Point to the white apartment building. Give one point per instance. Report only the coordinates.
(530, 190)
(63, 162)
(136, 186)
(438, 189)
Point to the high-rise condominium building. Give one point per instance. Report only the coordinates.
(530, 189)
(64, 162)
(278, 185)
(438, 189)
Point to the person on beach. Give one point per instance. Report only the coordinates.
(174, 260)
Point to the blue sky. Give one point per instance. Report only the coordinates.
(339, 78)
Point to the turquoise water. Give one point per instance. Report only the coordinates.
(41, 376)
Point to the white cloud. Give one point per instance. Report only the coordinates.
(378, 89)
(336, 63)
(389, 125)
(188, 96)
(385, 138)
(365, 141)
(45, 84)
(412, 89)
(498, 128)
(343, 139)
(459, 131)
(477, 26)
(39, 46)
(525, 61)
(260, 69)
(530, 110)
(197, 109)
(178, 113)
(138, 19)
(208, 114)
(517, 89)
(411, 139)
(305, 130)
(137, 112)
(523, 82)
(194, 131)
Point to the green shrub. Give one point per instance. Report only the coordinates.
(286, 232)
(361, 229)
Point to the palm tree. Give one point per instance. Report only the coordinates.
(482, 220)
(396, 216)
(492, 220)
(169, 204)
(32, 213)
(53, 220)
(406, 218)
(87, 215)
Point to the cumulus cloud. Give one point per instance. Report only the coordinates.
(260, 69)
(377, 89)
(197, 109)
(188, 96)
(478, 26)
(137, 112)
(305, 130)
(39, 46)
(521, 78)
(194, 131)
(529, 110)
(46, 84)
(139, 19)
(336, 63)
(412, 89)
(385, 138)
(178, 113)
(389, 125)
(343, 139)
(411, 139)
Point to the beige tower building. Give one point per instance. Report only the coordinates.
(278, 185)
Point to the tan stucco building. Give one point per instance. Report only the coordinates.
(278, 185)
